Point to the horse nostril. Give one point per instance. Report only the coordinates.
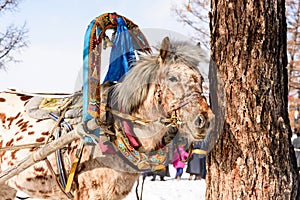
(200, 121)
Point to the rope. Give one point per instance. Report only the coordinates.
(64, 109)
(170, 121)
(189, 153)
(142, 189)
(126, 116)
(74, 166)
(68, 194)
(137, 189)
(22, 198)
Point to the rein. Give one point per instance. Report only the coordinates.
(190, 152)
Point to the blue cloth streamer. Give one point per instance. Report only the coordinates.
(122, 54)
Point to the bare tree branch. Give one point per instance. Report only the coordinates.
(8, 5)
(195, 15)
(13, 39)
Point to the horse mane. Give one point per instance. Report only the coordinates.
(134, 87)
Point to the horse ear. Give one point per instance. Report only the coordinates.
(164, 49)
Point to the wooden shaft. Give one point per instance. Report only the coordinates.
(38, 155)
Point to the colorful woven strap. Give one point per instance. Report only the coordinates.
(142, 161)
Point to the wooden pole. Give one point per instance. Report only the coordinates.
(38, 155)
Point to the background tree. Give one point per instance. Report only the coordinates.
(293, 25)
(253, 158)
(194, 13)
(14, 38)
(293, 50)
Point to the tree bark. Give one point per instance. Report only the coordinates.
(253, 157)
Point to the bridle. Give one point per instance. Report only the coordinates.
(173, 119)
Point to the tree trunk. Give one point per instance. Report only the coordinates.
(253, 157)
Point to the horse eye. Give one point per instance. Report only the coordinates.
(173, 79)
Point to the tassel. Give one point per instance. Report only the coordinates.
(104, 43)
(113, 35)
(107, 42)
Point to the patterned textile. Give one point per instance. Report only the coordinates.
(39, 107)
(55, 104)
(93, 43)
(141, 161)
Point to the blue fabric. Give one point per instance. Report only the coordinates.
(85, 115)
(122, 54)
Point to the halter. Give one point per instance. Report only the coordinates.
(174, 120)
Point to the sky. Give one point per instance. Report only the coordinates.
(53, 60)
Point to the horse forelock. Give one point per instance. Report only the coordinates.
(135, 85)
(185, 53)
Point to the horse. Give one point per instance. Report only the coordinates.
(165, 85)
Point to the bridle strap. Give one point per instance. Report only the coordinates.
(126, 116)
(186, 101)
(174, 120)
(169, 121)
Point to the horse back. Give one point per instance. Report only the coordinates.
(17, 128)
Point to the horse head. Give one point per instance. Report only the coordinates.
(167, 90)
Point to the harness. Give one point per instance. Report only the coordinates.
(142, 161)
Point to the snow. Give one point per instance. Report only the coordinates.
(166, 190)
(171, 188)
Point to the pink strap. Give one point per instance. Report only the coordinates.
(106, 149)
(129, 133)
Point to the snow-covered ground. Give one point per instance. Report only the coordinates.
(170, 189)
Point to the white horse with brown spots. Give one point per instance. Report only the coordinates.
(157, 87)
